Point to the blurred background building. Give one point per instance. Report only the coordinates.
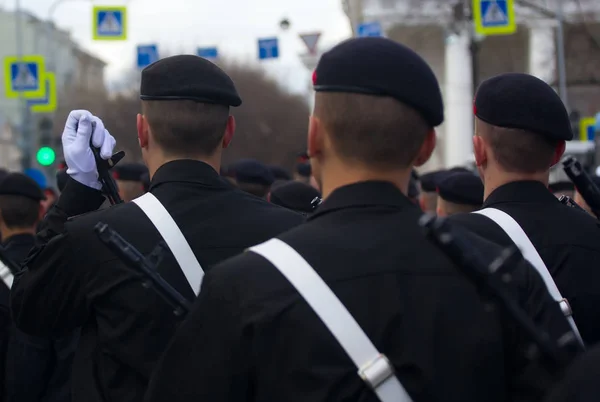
(429, 27)
(74, 68)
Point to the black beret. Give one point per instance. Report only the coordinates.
(460, 169)
(381, 67)
(429, 181)
(253, 172)
(188, 77)
(280, 173)
(129, 171)
(304, 169)
(20, 184)
(461, 188)
(561, 186)
(524, 102)
(294, 195)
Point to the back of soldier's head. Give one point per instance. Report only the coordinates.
(376, 103)
(253, 177)
(521, 123)
(459, 192)
(185, 106)
(20, 198)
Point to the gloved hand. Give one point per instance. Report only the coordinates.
(76, 147)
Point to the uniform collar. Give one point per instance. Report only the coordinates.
(187, 171)
(533, 192)
(24, 238)
(363, 194)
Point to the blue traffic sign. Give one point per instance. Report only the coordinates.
(369, 29)
(110, 23)
(24, 76)
(210, 53)
(268, 48)
(146, 55)
(494, 17)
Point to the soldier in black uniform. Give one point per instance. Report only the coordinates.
(252, 337)
(581, 202)
(521, 129)
(459, 193)
(253, 177)
(20, 212)
(129, 178)
(295, 195)
(74, 280)
(428, 195)
(37, 369)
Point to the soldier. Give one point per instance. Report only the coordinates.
(253, 177)
(74, 280)
(256, 334)
(521, 127)
(428, 196)
(296, 196)
(129, 179)
(459, 193)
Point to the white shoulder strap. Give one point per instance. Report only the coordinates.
(519, 237)
(171, 234)
(6, 275)
(373, 367)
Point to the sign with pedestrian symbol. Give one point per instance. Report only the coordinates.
(48, 103)
(110, 23)
(24, 76)
(494, 17)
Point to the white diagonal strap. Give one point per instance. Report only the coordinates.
(519, 237)
(373, 367)
(6, 275)
(171, 234)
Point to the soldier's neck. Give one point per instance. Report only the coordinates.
(156, 162)
(339, 175)
(10, 232)
(492, 179)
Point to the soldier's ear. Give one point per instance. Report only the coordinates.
(142, 130)
(558, 152)
(229, 131)
(426, 149)
(480, 150)
(316, 138)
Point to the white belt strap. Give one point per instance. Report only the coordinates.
(6, 275)
(519, 237)
(373, 367)
(171, 234)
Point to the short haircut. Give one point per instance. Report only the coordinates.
(372, 130)
(452, 208)
(517, 150)
(186, 127)
(19, 211)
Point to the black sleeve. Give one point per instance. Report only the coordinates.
(208, 359)
(48, 295)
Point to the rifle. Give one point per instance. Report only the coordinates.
(583, 183)
(147, 266)
(556, 355)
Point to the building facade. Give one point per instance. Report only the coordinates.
(74, 68)
(430, 27)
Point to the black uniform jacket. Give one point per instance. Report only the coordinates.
(251, 337)
(74, 280)
(567, 240)
(581, 382)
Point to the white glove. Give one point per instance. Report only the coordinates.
(76, 147)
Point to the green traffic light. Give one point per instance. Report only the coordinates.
(46, 156)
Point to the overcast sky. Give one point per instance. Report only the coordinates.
(183, 25)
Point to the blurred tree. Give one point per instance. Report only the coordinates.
(271, 123)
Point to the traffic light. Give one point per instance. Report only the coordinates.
(45, 156)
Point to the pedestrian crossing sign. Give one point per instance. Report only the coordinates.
(24, 76)
(48, 103)
(110, 23)
(494, 17)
